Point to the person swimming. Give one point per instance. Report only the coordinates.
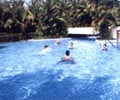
(45, 50)
(104, 47)
(67, 56)
(71, 45)
(67, 59)
(57, 42)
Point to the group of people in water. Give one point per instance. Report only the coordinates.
(67, 56)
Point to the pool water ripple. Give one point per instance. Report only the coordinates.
(28, 75)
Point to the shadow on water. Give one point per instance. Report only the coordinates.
(2, 47)
(21, 86)
(7, 91)
(66, 90)
(45, 86)
(91, 91)
(54, 90)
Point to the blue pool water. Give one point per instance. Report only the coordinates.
(25, 74)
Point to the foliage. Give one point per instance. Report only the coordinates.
(51, 18)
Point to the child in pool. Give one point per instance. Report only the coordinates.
(45, 49)
(71, 45)
(105, 47)
(67, 56)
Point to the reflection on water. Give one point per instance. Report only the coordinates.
(27, 75)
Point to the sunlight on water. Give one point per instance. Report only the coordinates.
(94, 72)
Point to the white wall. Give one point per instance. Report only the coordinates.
(81, 30)
(114, 32)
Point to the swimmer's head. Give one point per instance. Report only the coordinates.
(67, 52)
(58, 41)
(46, 46)
(71, 43)
(105, 45)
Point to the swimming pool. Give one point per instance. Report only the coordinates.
(25, 74)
